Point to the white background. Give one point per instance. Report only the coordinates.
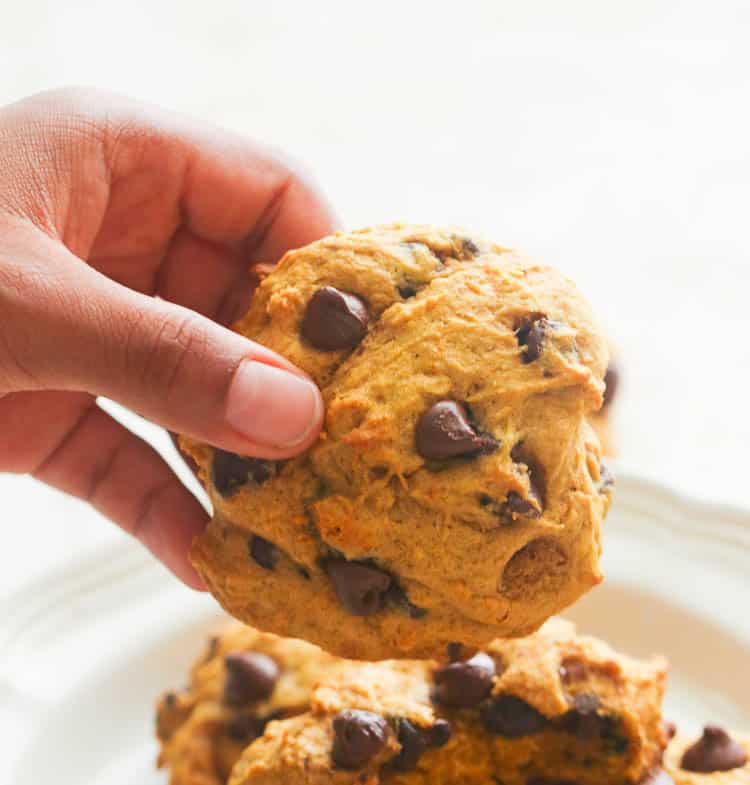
(610, 139)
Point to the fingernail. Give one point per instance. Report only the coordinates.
(271, 406)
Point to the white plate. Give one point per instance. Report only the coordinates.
(120, 631)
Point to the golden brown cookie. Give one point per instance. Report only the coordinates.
(456, 491)
(553, 708)
(718, 757)
(243, 680)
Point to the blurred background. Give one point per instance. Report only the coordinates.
(609, 139)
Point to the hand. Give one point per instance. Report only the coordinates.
(126, 239)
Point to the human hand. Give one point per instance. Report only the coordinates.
(126, 238)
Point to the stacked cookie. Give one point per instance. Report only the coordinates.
(555, 707)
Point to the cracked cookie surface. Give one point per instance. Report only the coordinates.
(456, 491)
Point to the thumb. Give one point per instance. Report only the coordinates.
(168, 363)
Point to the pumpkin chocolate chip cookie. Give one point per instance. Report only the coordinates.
(456, 491)
(555, 707)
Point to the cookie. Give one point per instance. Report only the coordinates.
(456, 491)
(554, 708)
(243, 680)
(717, 757)
(556, 702)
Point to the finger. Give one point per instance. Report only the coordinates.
(203, 277)
(175, 367)
(125, 479)
(128, 175)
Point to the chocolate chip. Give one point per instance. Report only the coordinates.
(582, 720)
(334, 320)
(453, 651)
(530, 337)
(518, 507)
(407, 291)
(358, 736)
(230, 471)
(669, 728)
(716, 750)
(250, 676)
(611, 380)
(440, 733)
(469, 248)
(572, 670)
(245, 728)
(263, 552)
(444, 431)
(413, 744)
(611, 736)
(586, 703)
(397, 597)
(360, 588)
(465, 684)
(512, 717)
(533, 504)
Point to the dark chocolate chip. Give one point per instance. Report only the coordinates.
(611, 380)
(572, 670)
(444, 431)
(440, 733)
(469, 248)
(611, 735)
(245, 728)
(716, 750)
(360, 588)
(465, 684)
(334, 320)
(230, 471)
(586, 703)
(250, 676)
(263, 552)
(170, 700)
(453, 651)
(534, 501)
(407, 291)
(413, 744)
(582, 720)
(518, 507)
(358, 736)
(512, 717)
(397, 597)
(530, 337)
(669, 728)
